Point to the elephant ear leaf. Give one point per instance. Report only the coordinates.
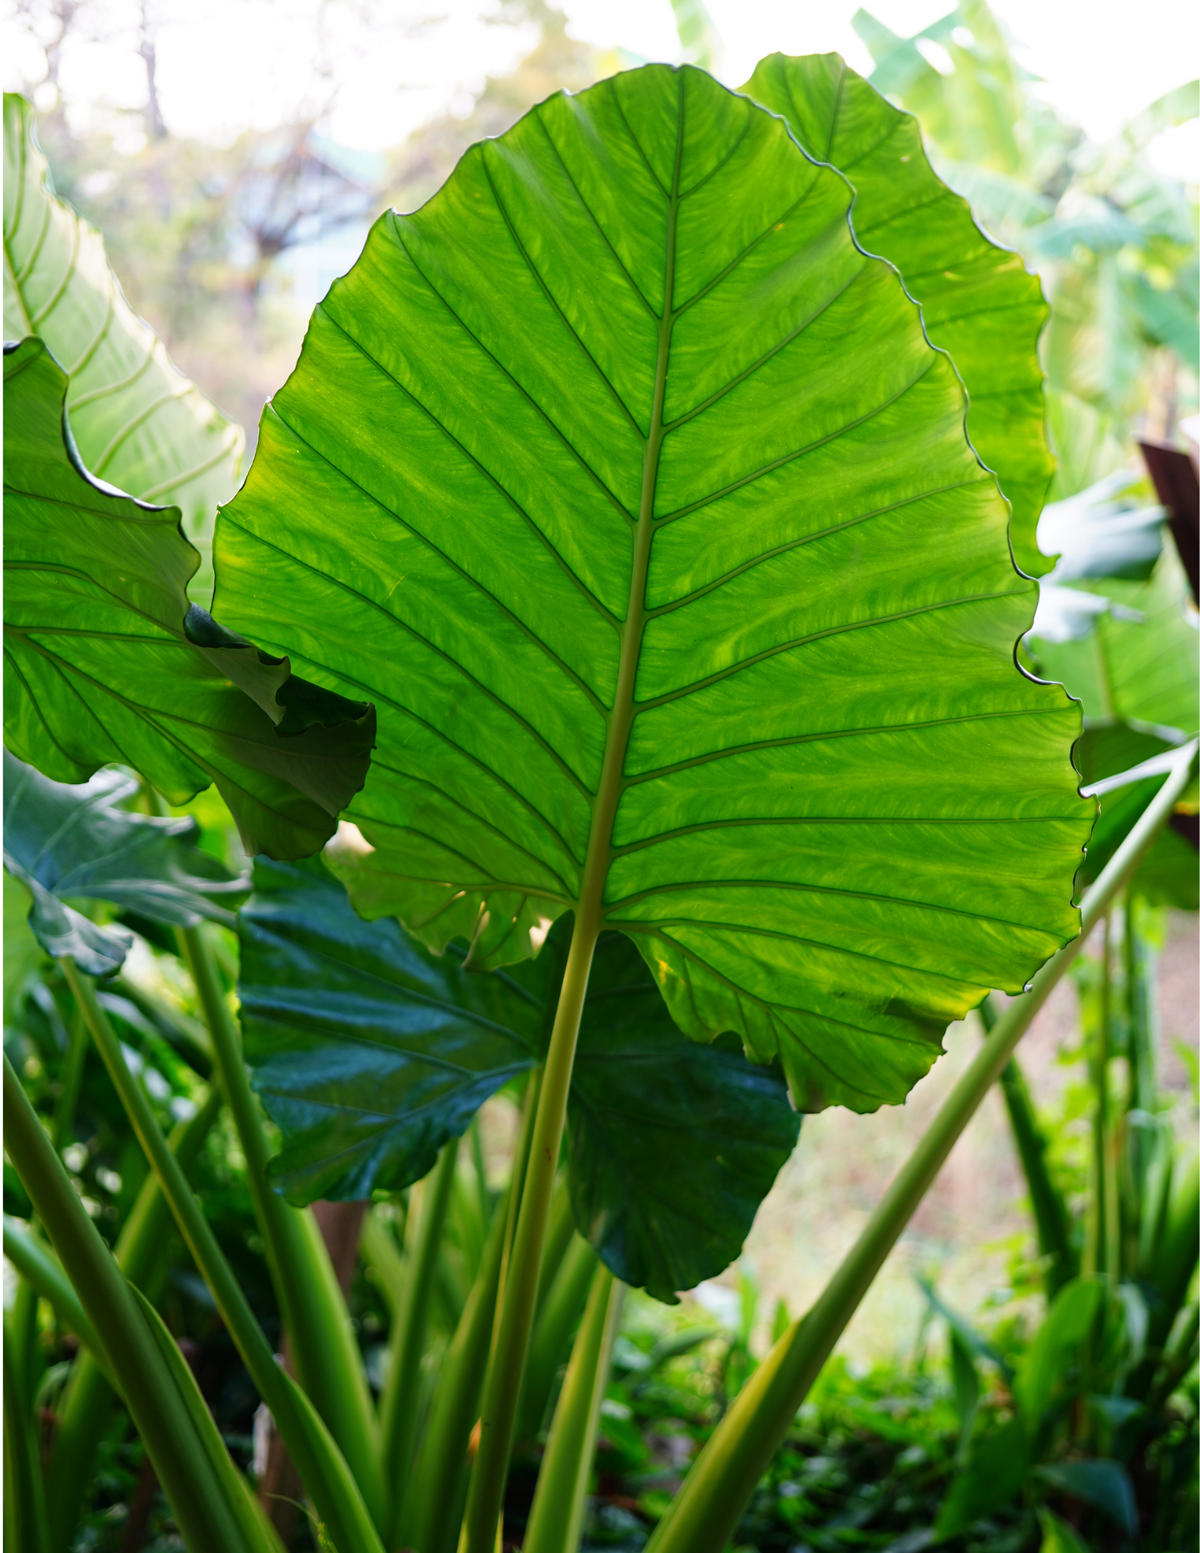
(631, 490)
(370, 1052)
(672, 1146)
(65, 843)
(106, 662)
(977, 299)
(139, 423)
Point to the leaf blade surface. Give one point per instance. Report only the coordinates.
(106, 661)
(682, 594)
(140, 424)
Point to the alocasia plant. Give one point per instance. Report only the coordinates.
(632, 492)
(626, 481)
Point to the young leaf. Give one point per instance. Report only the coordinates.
(633, 492)
(140, 424)
(65, 842)
(977, 299)
(105, 661)
(369, 1052)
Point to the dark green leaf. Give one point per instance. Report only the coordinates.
(367, 1051)
(1104, 1484)
(370, 1052)
(672, 1146)
(78, 842)
(106, 662)
(138, 421)
(977, 300)
(635, 495)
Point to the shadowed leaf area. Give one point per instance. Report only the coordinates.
(369, 1052)
(106, 661)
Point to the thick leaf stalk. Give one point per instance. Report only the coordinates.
(716, 1491)
(557, 1314)
(198, 1499)
(556, 1519)
(328, 1363)
(401, 1402)
(336, 1496)
(38, 1265)
(87, 1401)
(433, 1518)
(502, 1388)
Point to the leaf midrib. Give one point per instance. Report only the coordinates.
(590, 914)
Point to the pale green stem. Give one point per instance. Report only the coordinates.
(555, 1319)
(159, 1415)
(502, 1387)
(433, 1517)
(556, 1519)
(1098, 1254)
(141, 1253)
(402, 1392)
(37, 1263)
(328, 1363)
(716, 1491)
(72, 1080)
(322, 1467)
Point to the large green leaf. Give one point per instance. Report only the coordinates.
(67, 843)
(140, 424)
(633, 493)
(369, 1052)
(105, 661)
(977, 299)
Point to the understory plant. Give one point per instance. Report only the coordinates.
(626, 572)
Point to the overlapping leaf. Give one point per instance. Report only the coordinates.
(140, 424)
(1117, 626)
(105, 661)
(633, 493)
(369, 1052)
(977, 299)
(67, 843)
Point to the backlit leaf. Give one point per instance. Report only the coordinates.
(977, 299)
(632, 492)
(139, 423)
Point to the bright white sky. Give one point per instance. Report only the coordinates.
(226, 64)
